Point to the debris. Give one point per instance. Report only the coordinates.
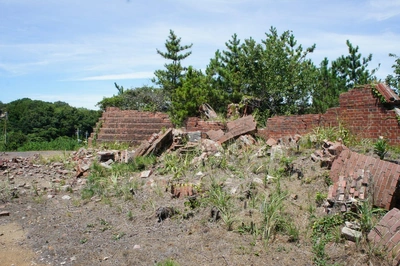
(271, 142)
(145, 174)
(215, 135)
(155, 145)
(207, 110)
(4, 213)
(241, 126)
(351, 234)
(163, 213)
(194, 136)
(182, 190)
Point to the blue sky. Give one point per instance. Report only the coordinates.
(74, 50)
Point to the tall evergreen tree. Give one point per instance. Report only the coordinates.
(353, 68)
(188, 97)
(170, 78)
(327, 89)
(394, 80)
(281, 73)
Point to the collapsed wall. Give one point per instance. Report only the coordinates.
(367, 112)
(131, 126)
(356, 175)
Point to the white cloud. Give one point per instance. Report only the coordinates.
(384, 9)
(136, 75)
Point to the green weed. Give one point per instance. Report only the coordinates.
(381, 147)
(272, 209)
(218, 198)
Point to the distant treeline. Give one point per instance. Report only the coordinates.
(38, 125)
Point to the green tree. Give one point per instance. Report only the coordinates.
(141, 98)
(353, 68)
(278, 73)
(38, 121)
(170, 78)
(327, 89)
(225, 73)
(394, 80)
(187, 98)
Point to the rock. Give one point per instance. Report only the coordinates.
(65, 188)
(163, 213)
(66, 197)
(145, 174)
(210, 146)
(258, 181)
(351, 234)
(194, 136)
(271, 142)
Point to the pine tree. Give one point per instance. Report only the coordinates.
(170, 78)
(187, 98)
(353, 68)
(394, 80)
(328, 88)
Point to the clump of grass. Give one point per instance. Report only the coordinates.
(167, 262)
(177, 164)
(221, 200)
(6, 193)
(272, 210)
(323, 232)
(114, 182)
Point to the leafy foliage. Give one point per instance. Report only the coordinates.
(32, 121)
(394, 80)
(141, 98)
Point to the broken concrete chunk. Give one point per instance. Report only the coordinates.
(194, 136)
(210, 146)
(145, 174)
(351, 234)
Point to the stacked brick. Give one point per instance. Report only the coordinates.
(129, 125)
(347, 190)
(386, 235)
(379, 177)
(360, 112)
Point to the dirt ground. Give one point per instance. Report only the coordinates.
(57, 227)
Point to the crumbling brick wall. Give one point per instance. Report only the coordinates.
(134, 126)
(385, 176)
(360, 112)
(196, 124)
(128, 125)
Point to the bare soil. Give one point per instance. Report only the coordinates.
(45, 228)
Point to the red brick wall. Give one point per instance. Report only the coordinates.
(359, 112)
(133, 126)
(129, 125)
(197, 124)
